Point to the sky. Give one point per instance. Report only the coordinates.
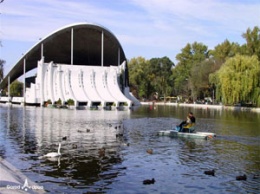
(147, 28)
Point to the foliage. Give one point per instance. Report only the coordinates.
(16, 88)
(229, 72)
(238, 80)
(160, 69)
(191, 55)
(224, 51)
(150, 76)
(200, 87)
(2, 62)
(252, 46)
(58, 102)
(140, 80)
(70, 102)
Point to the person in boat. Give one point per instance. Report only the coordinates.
(185, 125)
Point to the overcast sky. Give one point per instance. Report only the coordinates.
(147, 28)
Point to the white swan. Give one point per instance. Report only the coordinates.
(54, 154)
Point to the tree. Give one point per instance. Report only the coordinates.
(224, 51)
(252, 41)
(161, 69)
(2, 62)
(238, 80)
(180, 80)
(70, 102)
(191, 54)
(199, 78)
(16, 88)
(139, 77)
(150, 76)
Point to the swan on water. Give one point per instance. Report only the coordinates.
(53, 154)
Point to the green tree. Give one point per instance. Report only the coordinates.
(161, 69)
(139, 77)
(59, 102)
(70, 102)
(16, 88)
(180, 80)
(252, 45)
(191, 54)
(2, 62)
(224, 51)
(150, 76)
(238, 80)
(201, 86)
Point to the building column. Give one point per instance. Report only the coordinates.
(42, 50)
(24, 81)
(71, 47)
(102, 48)
(9, 89)
(41, 76)
(118, 56)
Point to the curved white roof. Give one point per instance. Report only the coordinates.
(87, 41)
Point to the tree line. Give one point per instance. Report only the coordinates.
(228, 74)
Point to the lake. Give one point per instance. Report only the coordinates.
(106, 151)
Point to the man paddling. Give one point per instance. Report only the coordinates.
(185, 125)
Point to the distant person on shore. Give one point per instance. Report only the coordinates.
(190, 122)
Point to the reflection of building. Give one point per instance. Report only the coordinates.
(83, 62)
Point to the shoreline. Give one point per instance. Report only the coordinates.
(205, 106)
(201, 106)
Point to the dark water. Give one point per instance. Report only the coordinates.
(177, 165)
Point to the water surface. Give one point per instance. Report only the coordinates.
(97, 158)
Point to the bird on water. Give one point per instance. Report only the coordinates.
(149, 181)
(54, 154)
(210, 172)
(241, 178)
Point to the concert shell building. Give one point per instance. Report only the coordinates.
(82, 62)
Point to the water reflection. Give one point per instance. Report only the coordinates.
(95, 158)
